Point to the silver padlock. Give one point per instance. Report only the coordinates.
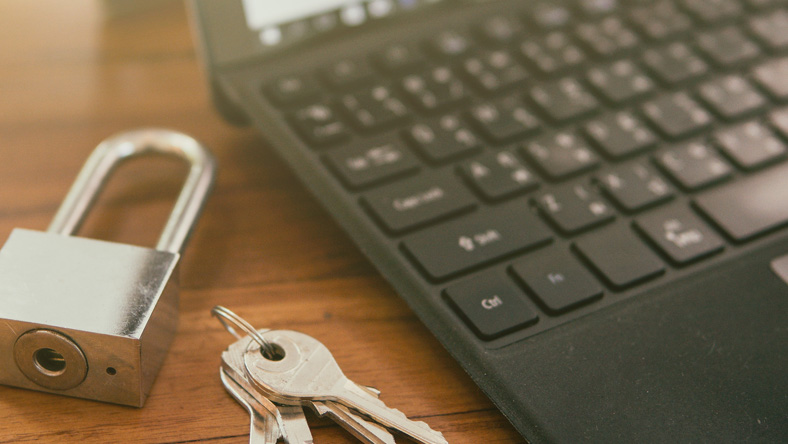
(89, 318)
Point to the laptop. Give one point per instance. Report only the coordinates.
(585, 201)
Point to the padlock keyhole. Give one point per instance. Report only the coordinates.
(49, 362)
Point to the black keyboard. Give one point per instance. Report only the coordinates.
(537, 166)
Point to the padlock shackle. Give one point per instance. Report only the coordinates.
(112, 152)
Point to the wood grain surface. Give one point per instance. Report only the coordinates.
(70, 77)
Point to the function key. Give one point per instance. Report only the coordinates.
(417, 201)
(374, 107)
(674, 63)
(620, 257)
(608, 37)
(694, 165)
(398, 57)
(476, 239)
(619, 135)
(557, 280)
(348, 72)
(561, 155)
(552, 53)
(713, 11)
(435, 88)
(449, 44)
(575, 208)
(499, 30)
(677, 115)
(371, 161)
(504, 120)
(680, 234)
(498, 175)
(443, 139)
(750, 145)
(660, 20)
(494, 70)
(727, 46)
(318, 124)
(549, 16)
(292, 90)
(491, 305)
(635, 186)
(771, 29)
(563, 99)
(620, 81)
(771, 77)
(731, 97)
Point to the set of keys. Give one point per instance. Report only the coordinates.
(274, 374)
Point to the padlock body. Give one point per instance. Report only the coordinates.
(60, 296)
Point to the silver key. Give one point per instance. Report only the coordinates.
(365, 431)
(308, 372)
(295, 425)
(262, 428)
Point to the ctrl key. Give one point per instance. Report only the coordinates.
(491, 304)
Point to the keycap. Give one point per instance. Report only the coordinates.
(595, 8)
(574, 208)
(476, 239)
(619, 135)
(550, 16)
(563, 99)
(443, 139)
(398, 57)
(263, 428)
(681, 235)
(607, 37)
(771, 29)
(348, 72)
(491, 304)
(292, 380)
(779, 120)
(660, 20)
(731, 97)
(504, 120)
(557, 280)
(694, 165)
(674, 63)
(635, 186)
(435, 88)
(374, 107)
(368, 162)
(750, 206)
(417, 201)
(750, 145)
(620, 81)
(677, 115)
(292, 90)
(619, 256)
(727, 46)
(713, 11)
(553, 53)
(498, 175)
(771, 77)
(319, 124)
(499, 30)
(449, 44)
(493, 71)
(561, 155)
(365, 431)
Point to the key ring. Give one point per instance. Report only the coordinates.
(227, 317)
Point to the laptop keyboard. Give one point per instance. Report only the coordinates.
(533, 165)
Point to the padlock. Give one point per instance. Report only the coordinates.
(89, 318)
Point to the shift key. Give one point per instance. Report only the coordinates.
(476, 239)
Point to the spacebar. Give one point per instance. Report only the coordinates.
(751, 206)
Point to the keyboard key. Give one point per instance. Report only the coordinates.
(504, 120)
(635, 186)
(494, 71)
(449, 44)
(557, 280)
(434, 89)
(318, 124)
(491, 305)
(375, 107)
(443, 139)
(563, 99)
(750, 145)
(552, 53)
(608, 37)
(660, 20)
(398, 57)
(751, 206)
(771, 29)
(731, 97)
(694, 165)
(620, 81)
(417, 201)
(771, 77)
(619, 256)
(575, 208)
(498, 175)
(713, 11)
(680, 234)
(596, 8)
(549, 16)
(779, 120)
(476, 239)
(292, 90)
(619, 135)
(677, 115)
(348, 72)
(674, 63)
(499, 30)
(561, 155)
(369, 162)
(727, 46)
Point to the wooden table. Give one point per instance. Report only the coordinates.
(69, 77)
